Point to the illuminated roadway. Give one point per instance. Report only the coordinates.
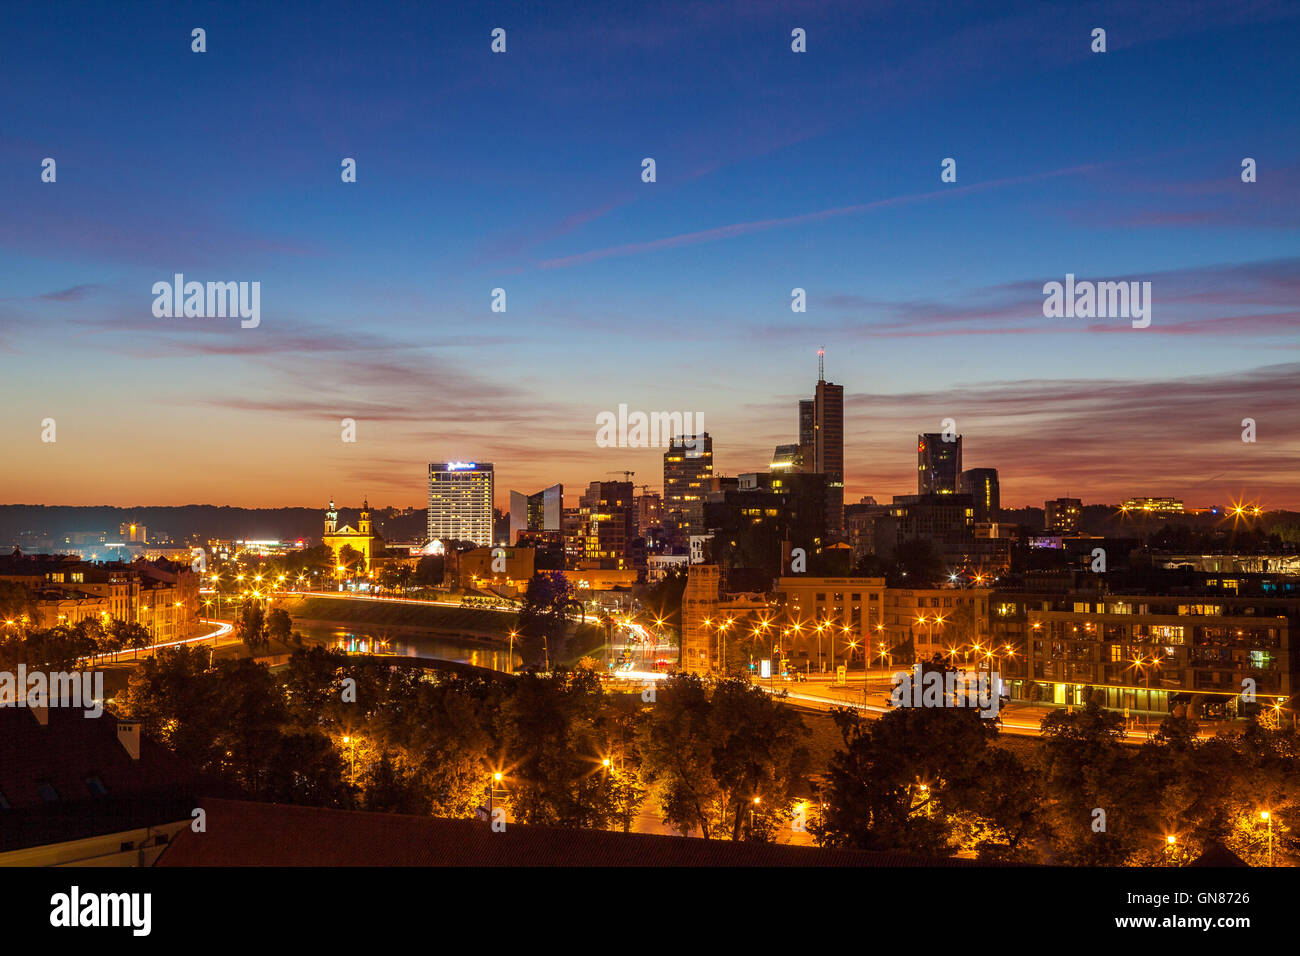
(832, 695)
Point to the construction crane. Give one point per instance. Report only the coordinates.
(645, 489)
(627, 475)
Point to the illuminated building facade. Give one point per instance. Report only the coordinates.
(361, 539)
(1155, 506)
(982, 485)
(688, 468)
(542, 511)
(830, 619)
(460, 501)
(1157, 653)
(1062, 515)
(649, 512)
(938, 464)
(792, 459)
(922, 622)
(607, 527)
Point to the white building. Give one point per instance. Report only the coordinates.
(460, 501)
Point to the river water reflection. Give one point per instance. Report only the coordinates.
(380, 640)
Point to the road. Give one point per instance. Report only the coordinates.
(220, 629)
(1017, 718)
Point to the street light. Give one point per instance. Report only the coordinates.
(1268, 818)
(496, 778)
(352, 760)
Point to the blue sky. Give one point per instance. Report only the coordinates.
(775, 170)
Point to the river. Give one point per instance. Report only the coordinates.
(376, 639)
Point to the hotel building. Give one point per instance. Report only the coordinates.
(460, 501)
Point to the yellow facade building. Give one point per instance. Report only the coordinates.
(361, 539)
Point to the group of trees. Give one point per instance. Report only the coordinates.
(935, 781)
(61, 647)
(719, 759)
(334, 730)
(542, 627)
(257, 627)
(726, 759)
(331, 730)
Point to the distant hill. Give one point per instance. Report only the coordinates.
(20, 523)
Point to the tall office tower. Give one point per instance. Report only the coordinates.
(982, 485)
(828, 452)
(1061, 515)
(536, 512)
(808, 421)
(460, 501)
(608, 526)
(938, 464)
(688, 466)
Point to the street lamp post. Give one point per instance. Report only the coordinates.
(496, 778)
(352, 760)
(1268, 818)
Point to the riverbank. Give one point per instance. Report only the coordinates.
(483, 625)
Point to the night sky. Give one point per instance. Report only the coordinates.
(522, 171)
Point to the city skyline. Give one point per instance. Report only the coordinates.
(522, 171)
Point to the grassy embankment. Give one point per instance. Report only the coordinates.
(431, 617)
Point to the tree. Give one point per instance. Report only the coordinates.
(554, 729)
(678, 756)
(900, 782)
(130, 634)
(1085, 767)
(250, 626)
(352, 560)
(914, 564)
(710, 755)
(543, 621)
(429, 570)
(278, 626)
(756, 754)
(16, 602)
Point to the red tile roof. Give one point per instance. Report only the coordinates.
(155, 789)
(241, 833)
